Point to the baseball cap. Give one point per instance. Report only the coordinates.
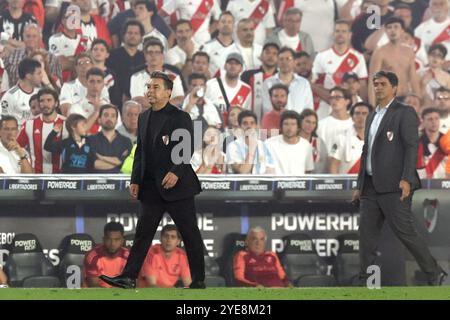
(350, 75)
(235, 56)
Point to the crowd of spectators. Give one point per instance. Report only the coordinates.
(279, 87)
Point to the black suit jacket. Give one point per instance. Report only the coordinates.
(188, 184)
(394, 149)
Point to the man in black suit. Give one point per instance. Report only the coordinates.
(388, 177)
(163, 180)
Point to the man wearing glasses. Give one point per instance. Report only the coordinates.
(442, 103)
(154, 61)
(13, 158)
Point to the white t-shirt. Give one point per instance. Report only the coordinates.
(73, 92)
(176, 55)
(347, 148)
(291, 159)
(288, 41)
(187, 9)
(9, 161)
(140, 79)
(16, 102)
(242, 9)
(217, 54)
(330, 127)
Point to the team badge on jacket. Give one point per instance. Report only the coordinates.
(165, 139)
(390, 135)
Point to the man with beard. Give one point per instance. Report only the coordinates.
(34, 133)
(256, 77)
(112, 148)
(271, 120)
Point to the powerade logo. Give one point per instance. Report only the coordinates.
(352, 244)
(303, 245)
(84, 245)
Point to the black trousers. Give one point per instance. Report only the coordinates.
(151, 209)
(375, 209)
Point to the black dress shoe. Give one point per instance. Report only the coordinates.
(439, 280)
(119, 281)
(197, 285)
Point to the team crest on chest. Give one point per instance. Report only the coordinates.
(390, 135)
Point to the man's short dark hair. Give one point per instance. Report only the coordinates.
(442, 89)
(402, 5)
(113, 226)
(170, 227)
(429, 110)
(226, 13)
(133, 22)
(72, 121)
(439, 47)
(342, 21)
(102, 42)
(33, 98)
(245, 114)
(200, 54)
(8, 117)
(278, 86)
(28, 66)
(168, 83)
(287, 49)
(290, 114)
(393, 20)
(360, 104)
(153, 41)
(49, 91)
(302, 54)
(392, 77)
(182, 21)
(95, 72)
(271, 45)
(195, 76)
(150, 5)
(106, 107)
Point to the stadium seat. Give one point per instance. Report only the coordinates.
(232, 243)
(27, 261)
(302, 264)
(129, 239)
(346, 266)
(73, 249)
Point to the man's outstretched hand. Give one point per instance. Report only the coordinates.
(169, 181)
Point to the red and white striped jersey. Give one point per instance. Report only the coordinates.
(431, 32)
(199, 12)
(239, 95)
(32, 136)
(431, 160)
(60, 44)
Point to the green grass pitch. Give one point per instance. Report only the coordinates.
(387, 293)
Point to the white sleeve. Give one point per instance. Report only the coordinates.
(169, 6)
(66, 94)
(309, 160)
(5, 83)
(105, 94)
(233, 155)
(308, 97)
(173, 58)
(361, 69)
(53, 46)
(177, 88)
(7, 104)
(267, 104)
(317, 68)
(136, 88)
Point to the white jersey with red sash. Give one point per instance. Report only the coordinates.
(260, 11)
(431, 32)
(217, 53)
(199, 12)
(256, 86)
(347, 148)
(431, 160)
(240, 95)
(329, 67)
(32, 137)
